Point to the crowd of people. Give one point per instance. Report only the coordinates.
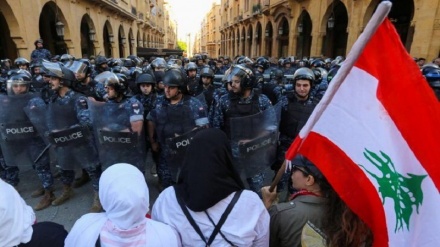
(212, 127)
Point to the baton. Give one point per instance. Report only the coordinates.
(42, 152)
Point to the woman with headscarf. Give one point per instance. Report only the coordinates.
(125, 199)
(17, 223)
(209, 205)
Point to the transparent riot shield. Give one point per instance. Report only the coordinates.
(115, 139)
(60, 128)
(18, 135)
(177, 149)
(202, 99)
(254, 141)
(174, 128)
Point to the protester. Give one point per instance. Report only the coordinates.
(207, 187)
(17, 226)
(315, 206)
(125, 199)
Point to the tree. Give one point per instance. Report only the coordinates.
(181, 45)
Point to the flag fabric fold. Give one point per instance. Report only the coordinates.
(376, 139)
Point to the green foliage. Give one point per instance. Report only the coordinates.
(182, 45)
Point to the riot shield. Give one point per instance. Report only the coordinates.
(177, 149)
(18, 135)
(115, 139)
(254, 141)
(60, 128)
(202, 99)
(174, 128)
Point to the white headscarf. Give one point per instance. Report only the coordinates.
(124, 196)
(16, 217)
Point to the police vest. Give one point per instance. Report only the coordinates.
(295, 117)
(238, 109)
(174, 120)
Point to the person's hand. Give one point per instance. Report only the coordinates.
(268, 197)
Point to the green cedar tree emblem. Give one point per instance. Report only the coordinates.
(406, 192)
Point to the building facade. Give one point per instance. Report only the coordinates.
(210, 33)
(114, 28)
(280, 28)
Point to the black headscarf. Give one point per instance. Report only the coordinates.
(208, 175)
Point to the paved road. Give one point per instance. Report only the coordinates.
(67, 213)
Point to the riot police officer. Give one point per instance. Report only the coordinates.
(21, 63)
(84, 83)
(66, 126)
(118, 126)
(21, 145)
(149, 99)
(178, 116)
(245, 115)
(432, 74)
(294, 114)
(101, 65)
(193, 86)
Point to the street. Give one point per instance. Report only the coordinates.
(81, 202)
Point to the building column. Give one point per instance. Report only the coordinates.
(317, 40)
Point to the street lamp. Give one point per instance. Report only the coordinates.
(132, 41)
(280, 31)
(140, 43)
(92, 34)
(300, 28)
(60, 29)
(111, 38)
(331, 22)
(267, 32)
(123, 40)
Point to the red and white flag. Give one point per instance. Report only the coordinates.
(376, 138)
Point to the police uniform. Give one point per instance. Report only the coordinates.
(231, 106)
(149, 103)
(294, 115)
(88, 150)
(92, 89)
(171, 120)
(118, 118)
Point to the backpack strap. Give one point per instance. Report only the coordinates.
(219, 224)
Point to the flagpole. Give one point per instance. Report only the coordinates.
(378, 17)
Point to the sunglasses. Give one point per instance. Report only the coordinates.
(297, 168)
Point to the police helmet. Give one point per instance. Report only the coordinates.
(66, 59)
(317, 63)
(175, 78)
(114, 62)
(262, 62)
(114, 82)
(190, 66)
(129, 63)
(18, 77)
(247, 77)
(101, 60)
(244, 60)
(432, 74)
(207, 72)
(276, 74)
(146, 78)
(81, 66)
(304, 74)
(21, 61)
(159, 63)
(332, 73)
(303, 63)
(58, 70)
(136, 60)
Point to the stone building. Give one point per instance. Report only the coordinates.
(281, 28)
(114, 28)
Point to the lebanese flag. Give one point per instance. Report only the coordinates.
(376, 138)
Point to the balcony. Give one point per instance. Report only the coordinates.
(121, 8)
(256, 9)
